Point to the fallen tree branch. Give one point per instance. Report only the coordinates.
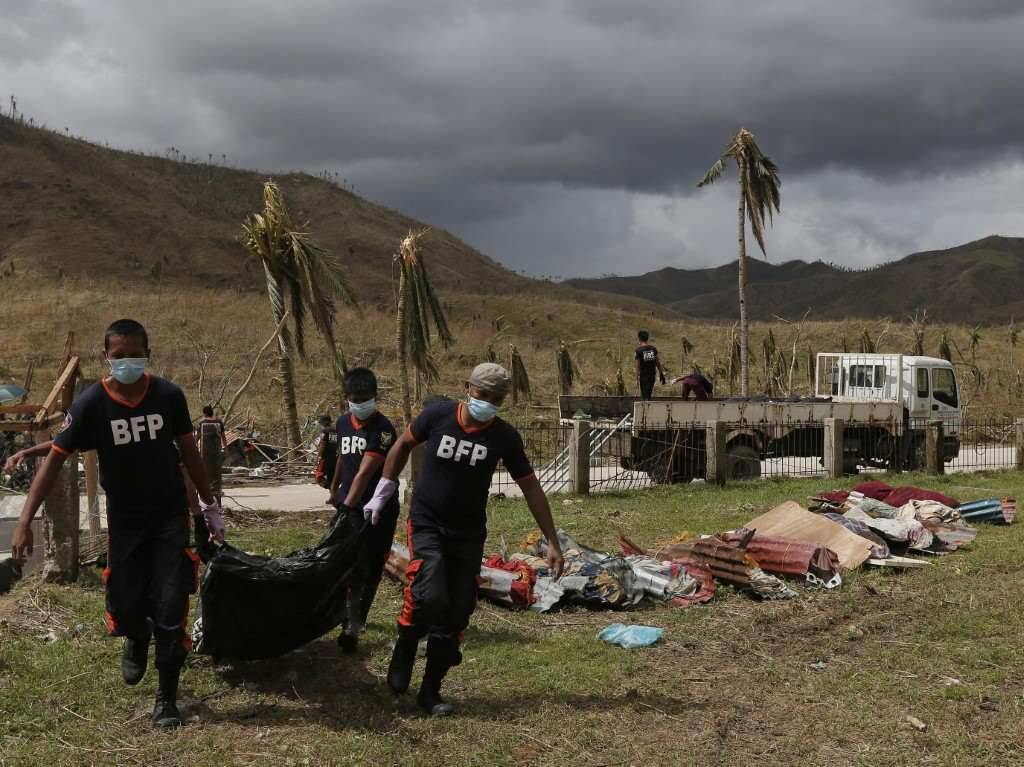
(252, 370)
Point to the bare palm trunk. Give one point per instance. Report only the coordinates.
(742, 270)
(403, 362)
(285, 369)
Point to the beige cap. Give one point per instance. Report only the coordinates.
(490, 377)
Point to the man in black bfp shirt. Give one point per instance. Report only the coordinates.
(462, 445)
(647, 365)
(363, 436)
(140, 427)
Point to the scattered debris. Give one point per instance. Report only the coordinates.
(916, 723)
(631, 637)
(990, 510)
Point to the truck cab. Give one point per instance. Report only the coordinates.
(926, 387)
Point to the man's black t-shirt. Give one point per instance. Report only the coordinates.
(135, 443)
(458, 463)
(647, 356)
(354, 440)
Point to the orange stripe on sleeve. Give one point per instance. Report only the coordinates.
(59, 450)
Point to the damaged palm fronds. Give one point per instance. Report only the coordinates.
(520, 378)
(418, 308)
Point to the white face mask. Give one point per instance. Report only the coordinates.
(362, 410)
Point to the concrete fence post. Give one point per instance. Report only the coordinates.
(1019, 443)
(579, 457)
(832, 447)
(717, 469)
(934, 459)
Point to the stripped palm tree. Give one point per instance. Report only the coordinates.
(417, 309)
(303, 281)
(568, 371)
(758, 194)
(520, 378)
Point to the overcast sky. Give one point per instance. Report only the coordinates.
(564, 138)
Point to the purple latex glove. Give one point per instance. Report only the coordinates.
(381, 495)
(214, 520)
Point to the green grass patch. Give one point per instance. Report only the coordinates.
(826, 679)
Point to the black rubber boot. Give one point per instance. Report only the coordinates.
(134, 658)
(348, 640)
(402, 660)
(165, 710)
(442, 654)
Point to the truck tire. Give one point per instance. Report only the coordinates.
(744, 462)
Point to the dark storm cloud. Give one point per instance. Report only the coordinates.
(523, 125)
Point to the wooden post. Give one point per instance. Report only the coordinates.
(412, 473)
(92, 493)
(832, 446)
(1019, 441)
(60, 525)
(717, 470)
(934, 463)
(579, 457)
(60, 511)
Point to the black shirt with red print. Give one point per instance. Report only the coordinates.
(459, 460)
(135, 444)
(354, 439)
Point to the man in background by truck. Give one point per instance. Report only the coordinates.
(697, 385)
(648, 364)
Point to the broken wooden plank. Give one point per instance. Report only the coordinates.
(66, 378)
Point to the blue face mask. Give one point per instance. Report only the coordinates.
(362, 410)
(128, 370)
(481, 410)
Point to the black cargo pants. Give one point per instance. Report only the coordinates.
(373, 555)
(149, 577)
(444, 576)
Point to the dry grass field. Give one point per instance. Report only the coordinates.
(225, 327)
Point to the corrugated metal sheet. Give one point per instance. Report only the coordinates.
(788, 556)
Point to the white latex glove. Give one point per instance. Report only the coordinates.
(381, 495)
(214, 520)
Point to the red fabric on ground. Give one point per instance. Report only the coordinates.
(522, 588)
(874, 489)
(902, 495)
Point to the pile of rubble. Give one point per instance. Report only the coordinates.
(842, 531)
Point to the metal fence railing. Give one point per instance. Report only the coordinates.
(622, 458)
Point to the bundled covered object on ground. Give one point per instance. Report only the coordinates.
(257, 607)
(880, 491)
(600, 579)
(729, 562)
(591, 578)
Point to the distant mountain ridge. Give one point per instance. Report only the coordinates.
(978, 282)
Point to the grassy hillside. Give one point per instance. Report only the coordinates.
(976, 283)
(88, 234)
(77, 209)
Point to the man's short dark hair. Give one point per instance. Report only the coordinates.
(208, 411)
(643, 335)
(325, 420)
(360, 381)
(126, 328)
